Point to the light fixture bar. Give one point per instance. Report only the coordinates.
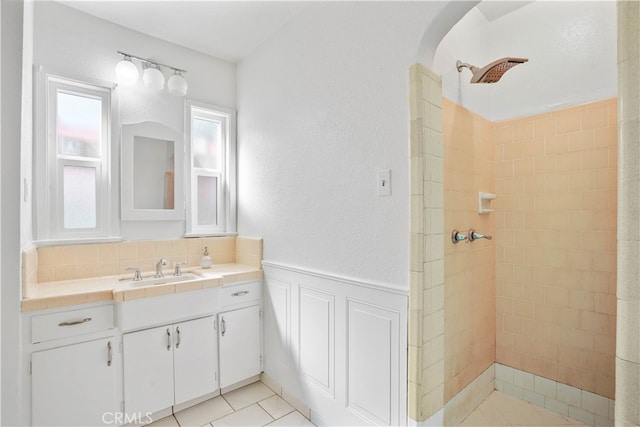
(128, 55)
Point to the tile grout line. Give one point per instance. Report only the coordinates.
(257, 403)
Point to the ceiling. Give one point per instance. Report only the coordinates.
(229, 30)
(225, 29)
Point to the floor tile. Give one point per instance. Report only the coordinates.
(476, 418)
(276, 406)
(203, 413)
(169, 421)
(500, 409)
(294, 419)
(492, 418)
(248, 395)
(252, 415)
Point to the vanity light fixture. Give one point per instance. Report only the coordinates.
(177, 84)
(152, 76)
(127, 74)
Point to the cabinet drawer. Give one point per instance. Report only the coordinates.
(231, 296)
(70, 323)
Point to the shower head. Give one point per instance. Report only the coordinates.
(490, 73)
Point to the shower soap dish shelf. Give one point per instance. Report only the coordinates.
(484, 202)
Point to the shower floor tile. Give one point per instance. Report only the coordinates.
(500, 409)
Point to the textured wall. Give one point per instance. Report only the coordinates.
(322, 107)
(569, 49)
(470, 333)
(556, 181)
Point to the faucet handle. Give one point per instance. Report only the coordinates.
(177, 271)
(457, 237)
(473, 235)
(136, 273)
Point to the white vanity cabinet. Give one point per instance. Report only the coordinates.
(74, 367)
(75, 385)
(240, 350)
(240, 332)
(169, 365)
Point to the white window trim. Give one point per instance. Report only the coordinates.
(228, 195)
(48, 222)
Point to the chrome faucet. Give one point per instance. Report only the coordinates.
(159, 268)
(176, 270)
(136, 273)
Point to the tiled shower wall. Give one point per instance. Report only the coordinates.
(542, 294)
(426, 295)
(469, 267)
(627, 407)
(556, 181)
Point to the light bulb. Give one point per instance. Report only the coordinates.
(126, 72)
(153, 78)
(177, 85)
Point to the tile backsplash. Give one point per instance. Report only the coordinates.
(55, 263)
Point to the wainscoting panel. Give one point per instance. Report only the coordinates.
(338, 345)
(277, 337)
(372, 338)
(316, 338)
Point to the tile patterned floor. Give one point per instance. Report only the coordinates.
(252, 405)
(257, 405)
(500, 409)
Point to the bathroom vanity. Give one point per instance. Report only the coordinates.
(147, 351)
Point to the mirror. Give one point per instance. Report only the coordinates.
(152, 172)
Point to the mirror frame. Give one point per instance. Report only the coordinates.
(159, 131)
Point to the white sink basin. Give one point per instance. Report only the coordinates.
(152, 281)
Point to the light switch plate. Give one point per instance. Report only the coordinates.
(384, 183)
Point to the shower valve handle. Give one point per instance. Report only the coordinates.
(473, 235)
(457, 237)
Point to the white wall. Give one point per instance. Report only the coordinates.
(323, 105)
(72, 43)
(571, 48)
(10, 139)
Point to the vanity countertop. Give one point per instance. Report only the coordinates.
(119, 288)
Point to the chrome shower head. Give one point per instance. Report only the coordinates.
(490, 73)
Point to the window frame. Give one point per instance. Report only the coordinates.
(226, 193)
(48, 208)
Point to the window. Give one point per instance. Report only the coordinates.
(211, 195)
(72, 160)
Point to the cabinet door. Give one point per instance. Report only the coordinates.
(195, 359)
(148, 370)
(74, 385)
(239, 341)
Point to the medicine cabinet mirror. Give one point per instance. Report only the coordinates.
(152, 172)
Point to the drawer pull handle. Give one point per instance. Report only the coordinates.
(178, 340)
(168, 340)
(109, 354)
(75, 322)
(239, 294)
(223, 326)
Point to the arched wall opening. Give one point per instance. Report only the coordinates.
(445, 359)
